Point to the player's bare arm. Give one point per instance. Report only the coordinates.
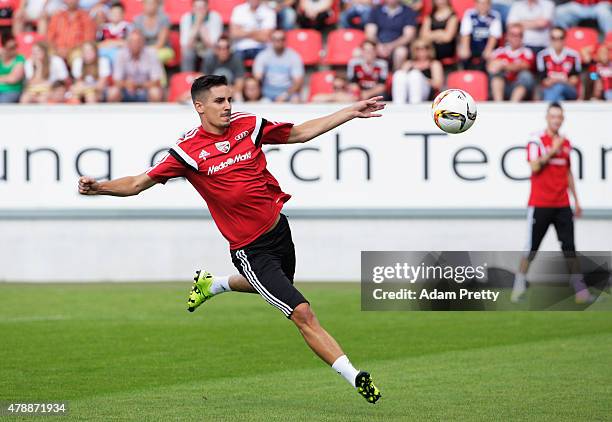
(124, 186)
(313, 128)
(571, 186)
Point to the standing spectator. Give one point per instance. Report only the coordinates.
(252, 90)
(440, 28)
(418, 78)
(35, 14)
(367, 74)
(251, 25)
(42, 71)
(280, 70)
(601, 73)
(343, 92)
(571, 13)
(225, 63)
(11, 71)
(392, 27)
(510, 68)
(200, 30)
(356, 14)
(137, 73)
(314, 13)
(559, 68)
(154, 25)
(91, 74)
(286, 16)
(113, 34)
(481, 29)
(535, 16)
(69, 29)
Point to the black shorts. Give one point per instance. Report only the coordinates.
(268, 263)
(538, 220)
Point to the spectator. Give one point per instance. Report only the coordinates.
(571, 13)
(11, 71)
(286, 15)
(314, 13)
(200, 30)
(251, 25)
(343, 92)
(91, 74)
(34, 14)
(510, 68)
(481, 30)
(42, 70)
(392, 27)
(559, 68)
(535, 16)
(418, 79)
(368, 74)
(356, 14)
(113, 34)
(138, 72)
(58, 93)
(251, 91)
(97, 9)
(440, 28)
(69, 29)
(223, 62)
(154, 25)
(601, 74)
(280, 70)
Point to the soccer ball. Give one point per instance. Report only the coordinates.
(454, 111)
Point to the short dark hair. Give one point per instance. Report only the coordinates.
(118, 4)
(555, 104)
(205, 83)
(558, 28)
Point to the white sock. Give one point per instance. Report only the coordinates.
(520, 281)
(220, 285)
(343, 366)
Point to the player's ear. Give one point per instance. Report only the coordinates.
(199, 105)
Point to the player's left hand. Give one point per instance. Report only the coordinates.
(368, 108)
(577, 210)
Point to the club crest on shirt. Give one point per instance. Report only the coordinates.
(204, 154)
(223, 146)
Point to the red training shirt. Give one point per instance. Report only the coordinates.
(507, 54)
(229, 172)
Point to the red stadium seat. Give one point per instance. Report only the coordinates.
(307, 43)
(340, 45)
(175, 43)
(224, 8)
(133, 8)
(581, 38)
(10, 6)
(26, 40)
(322, 82)
(175, 9)
(180, 83)
(474, 82)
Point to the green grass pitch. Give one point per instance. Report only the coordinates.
(133, 352)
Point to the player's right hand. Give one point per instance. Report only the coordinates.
(88, 186)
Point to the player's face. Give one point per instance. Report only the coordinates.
(216, 106)
(554, 118)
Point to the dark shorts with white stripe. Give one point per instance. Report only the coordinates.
(268, 263)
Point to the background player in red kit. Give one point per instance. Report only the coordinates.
(223, 160)
(548, 154)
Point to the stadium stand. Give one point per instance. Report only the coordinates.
(308, 43)
(322, 82)
(473, 81)
(340, 45)
(133, 8)
(582, 38)
(175, 9)
(180, 84)
(26, 40)
(224, 8)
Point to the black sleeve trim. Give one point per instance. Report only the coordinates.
(178, 158)
(264, 122)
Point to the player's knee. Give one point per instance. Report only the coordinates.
(303, 316)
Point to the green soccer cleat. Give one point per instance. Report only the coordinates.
(366, 387)
(200, 292)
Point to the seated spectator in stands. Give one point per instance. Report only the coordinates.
(58, 93)
(392, 27)
(42, 70)
(314, 13)
(343, 92)
(34, 15)
(535, 16)
(154, 24)
(510, 68)
(221, 61)
(91, 74)
(286, 15)
(481, 29)
(419, 78)
(280, 70)
(251, 92)
(251, 25)
(601, 74)
(113, 34)
(69, 29)
(559, 69)
(571, 13)
(440, 28)
(356, 14)
(200, 30)
(11, 71)
(138, 72)
(367, 74)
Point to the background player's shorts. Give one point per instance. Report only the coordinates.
(268, 263)
(538, 220)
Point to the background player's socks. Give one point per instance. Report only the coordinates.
(343, 366)
(220, 285)
(519, 287)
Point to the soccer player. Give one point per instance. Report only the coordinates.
(548, 154)
(223, 160)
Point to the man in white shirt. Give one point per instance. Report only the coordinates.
(536, 17)
(251, 25)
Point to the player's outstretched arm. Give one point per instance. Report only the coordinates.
(125, 186)
(313, 128)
